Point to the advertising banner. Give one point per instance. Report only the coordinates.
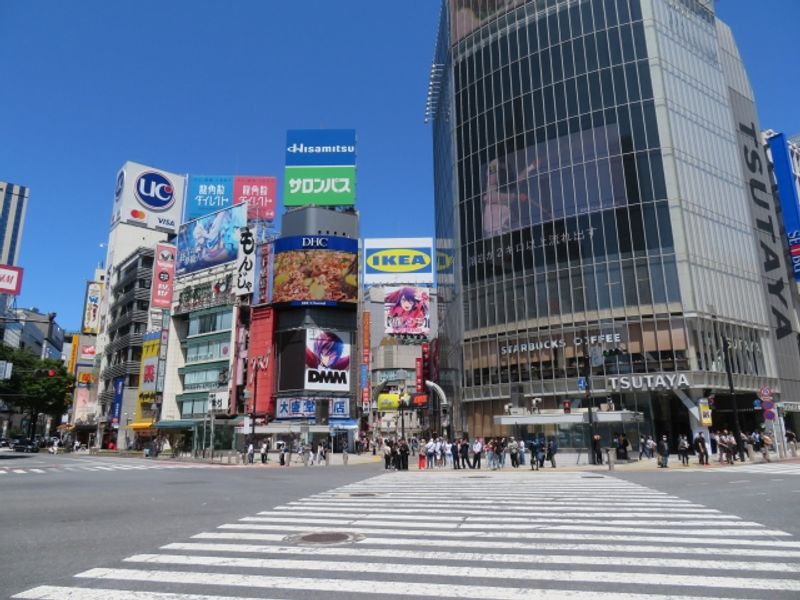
(211, 240)
(116, 403)
(10, 279)
(339, 408)
(206, 194)
(315, 270)
(398, 260)
(296, 408)
(788, 196)
(246, 261)
(320, 147)
(327, 360)
(82, 407)
(259, 195)
(407, 311)
(420, 377)
(87, 352)
(219, 401)
(261, 277)
(91, 308)
(388, 401)
(149, 369)
(163, 276)
(149, 197)
(320, 186)
(366, 337)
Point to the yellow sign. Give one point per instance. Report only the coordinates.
(73, 355)
(388, 401)
(399, 260)
(705, 413)
(148, 371)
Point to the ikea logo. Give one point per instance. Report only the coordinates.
(400, 260)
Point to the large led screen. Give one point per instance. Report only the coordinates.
(407, 311)
(315, 270)
(327, 360)
(210, 240)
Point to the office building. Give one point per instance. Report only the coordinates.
(600, 187)
(14, 204)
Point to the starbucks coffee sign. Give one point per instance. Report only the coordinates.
(661, 381)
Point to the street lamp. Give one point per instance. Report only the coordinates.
(403, 406)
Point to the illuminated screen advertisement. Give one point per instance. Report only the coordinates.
(211, 240)
(407, 311)
(315, 270)
(398, 260)
(327, 359)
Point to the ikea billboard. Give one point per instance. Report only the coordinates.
(398, 260)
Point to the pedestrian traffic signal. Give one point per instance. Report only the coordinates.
(567, 407)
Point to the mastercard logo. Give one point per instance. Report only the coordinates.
(138, 214)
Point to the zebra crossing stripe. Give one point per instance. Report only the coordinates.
(473, 571)
(401, 588)
(360, 552)
(52, 592)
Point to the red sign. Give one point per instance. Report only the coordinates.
(365, 338)
(420, 400)
(420, 378)
(10, 280)
(163, 276)
(259, 193)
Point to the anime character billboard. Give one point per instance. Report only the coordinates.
(327, 360)
(407, 311)
(210, 240)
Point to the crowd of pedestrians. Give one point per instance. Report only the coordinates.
(492, 453)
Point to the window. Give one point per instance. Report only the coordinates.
(208, 323)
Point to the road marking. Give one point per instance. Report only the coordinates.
(21, 471)
(51, 592)
(37, 471)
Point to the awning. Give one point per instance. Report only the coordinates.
(343, 424)
(179, 424)
(577, 417)
(139, 425)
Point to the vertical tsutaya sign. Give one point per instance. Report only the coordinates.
(245, 261)
(780, 294)
(320, 167)
(163, 276)
(787, 194)
(259, 195)
(91, 308)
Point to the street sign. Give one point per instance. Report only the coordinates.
(768, 405)
(757, 404)
(769, 415)
(765, 392)
(582, 384)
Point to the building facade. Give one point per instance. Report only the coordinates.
(13, 206)
(604, 230)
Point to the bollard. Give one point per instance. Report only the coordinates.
(328, 457)
(344, 457)
(610, 458)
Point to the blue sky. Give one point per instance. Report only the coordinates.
(194, 86)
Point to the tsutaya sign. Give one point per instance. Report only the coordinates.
(662, 381)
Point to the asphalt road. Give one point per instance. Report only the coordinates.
(57, 523)
(513, 535)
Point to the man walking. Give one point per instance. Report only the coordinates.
(513, 452)
(464, 450)
(477, 448)
(663, 452)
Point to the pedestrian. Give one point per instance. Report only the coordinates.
(766, 444)
(541, 453)
(513, 453)
(263, 452)
(701, 449)
(683, 450)
(448, 453)
(651, 447)
(464, 451)
(597, 450)
(552, 450)
(624, 444)
(477, 448)
(521, 453)
(404, 451)
(713, 441)
(430, 453)
(642, 446)
(395, 453)
(791, 442)
(250, 453)
(747, 444)
(387, 455)
(501, 450)
(421, 454)
(663, 452)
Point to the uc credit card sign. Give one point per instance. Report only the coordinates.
(398, 260)
(320, 147)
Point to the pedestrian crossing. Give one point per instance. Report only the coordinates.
(775, 468)
(453, 535)
(100, 466)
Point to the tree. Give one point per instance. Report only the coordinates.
(36, 385)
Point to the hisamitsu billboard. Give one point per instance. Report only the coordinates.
(320, 147)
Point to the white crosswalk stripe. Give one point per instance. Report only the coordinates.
(755, 468)
(643, 544)
(109, 466)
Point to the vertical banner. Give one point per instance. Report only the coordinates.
(246, 261)
(365, 338)
(116, 404)
(91, 308)
(261, 276)
(163, 276)
(420, 377)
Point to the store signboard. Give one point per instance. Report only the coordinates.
(327, 358)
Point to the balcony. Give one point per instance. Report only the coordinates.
(134, 274)
(128, 367)
(137, 293)
(126, 318)
(124, 341)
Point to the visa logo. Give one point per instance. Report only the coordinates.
(166, 222)
(399, 260)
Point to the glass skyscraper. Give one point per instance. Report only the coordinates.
(595, 206)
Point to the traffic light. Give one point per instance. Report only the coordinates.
(45, 372)
(567, 407)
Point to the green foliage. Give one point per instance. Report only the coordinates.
(30, 387)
